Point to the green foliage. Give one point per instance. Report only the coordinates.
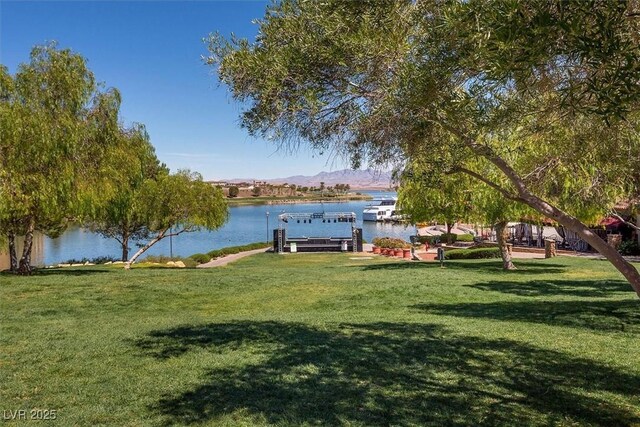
(133, 161)
(97, 260)
(233, 191)
(446, 238)
(200, 258)
(524, 99)
(181, 200)
(390, 243)
(480, 253)
(230, 250)
(178, 203)
(58, 130)
(629, 247)
(590, 49)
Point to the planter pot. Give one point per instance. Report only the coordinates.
(376, 250)
(406, 253)
(397, 252)
(430, 256)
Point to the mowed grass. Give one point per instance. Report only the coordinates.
(324, 339)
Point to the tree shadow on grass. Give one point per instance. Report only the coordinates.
(83, 271)
(387, 373)
(610, 316)
(484, 266)
(536, 288)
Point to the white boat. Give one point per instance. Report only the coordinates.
(380, 210)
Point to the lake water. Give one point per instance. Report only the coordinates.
(247, 224)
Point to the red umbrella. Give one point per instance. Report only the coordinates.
(610, 222)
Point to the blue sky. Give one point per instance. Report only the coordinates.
(151, 51)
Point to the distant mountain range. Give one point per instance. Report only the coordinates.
(357, 179)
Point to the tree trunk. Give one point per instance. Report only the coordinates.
(13, 257)
(525, 196)
(575, 225)
(125, 246)
(449, 227)
(25, 260)
(160, 236)
(502, 234)
(540, 241)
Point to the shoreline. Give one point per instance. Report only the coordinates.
(246, 201)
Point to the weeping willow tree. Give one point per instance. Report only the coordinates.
(178, 203)
(384, 82)
(133, 161)
(57, 127)
(424, 196)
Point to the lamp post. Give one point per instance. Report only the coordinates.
(171, 243)
(267, 226)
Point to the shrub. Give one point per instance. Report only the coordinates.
(484, 245)
(217, 253)
(481, 253)
(188, 262)
(629, 247)
(233, 191)
(446, 238)
(464, 237)
(390, 243)
(96, 260)
(200, 258)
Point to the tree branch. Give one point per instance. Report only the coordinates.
(184, 230)
(629, 223)
(491, 184)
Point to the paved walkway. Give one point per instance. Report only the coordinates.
(219, 262)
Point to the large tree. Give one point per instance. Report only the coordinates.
(59, 127)
(389, 81)
(119, 217)
(176, 204)
(454, 197)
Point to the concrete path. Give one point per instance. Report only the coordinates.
(219, 262)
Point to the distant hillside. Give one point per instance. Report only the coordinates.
(357, 179)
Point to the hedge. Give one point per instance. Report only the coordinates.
(482, 253)
(629, 247)
(390, 242)
(200, 258)
(217, 253)
(444, 238)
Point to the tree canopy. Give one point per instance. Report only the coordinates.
(119, 217)
(548, 123)
(66, 157)
(178, 203)
(57, 129)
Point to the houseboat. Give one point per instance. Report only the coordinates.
(380, 210)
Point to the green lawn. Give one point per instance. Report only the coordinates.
(324, 340)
